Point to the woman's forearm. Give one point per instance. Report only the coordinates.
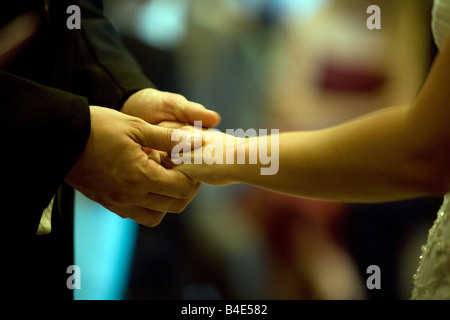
(370, 159)
(396, 153)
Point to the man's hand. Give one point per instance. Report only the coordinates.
(115, 171)
(156, 106)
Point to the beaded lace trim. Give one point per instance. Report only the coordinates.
(432, 278)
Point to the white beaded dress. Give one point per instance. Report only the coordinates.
(432, 279)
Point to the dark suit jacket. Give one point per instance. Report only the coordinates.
(45, 95)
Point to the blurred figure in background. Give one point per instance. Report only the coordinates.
(292, 65)
(329, 68)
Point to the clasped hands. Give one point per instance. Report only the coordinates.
(121, 166)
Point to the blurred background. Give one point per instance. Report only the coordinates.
(273, 64)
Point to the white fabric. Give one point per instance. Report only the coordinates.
(45, 225)
(432, 279)
(441, 21)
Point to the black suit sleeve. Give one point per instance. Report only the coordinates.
(45, 127)
(45, 95)
(43, 130)
(104, 70)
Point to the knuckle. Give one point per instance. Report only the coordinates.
(179, 206)
(136, 123)
(153, 218)
(136, 127)
(172, 99)
(170, 133)
(167, 100)
(187, 193)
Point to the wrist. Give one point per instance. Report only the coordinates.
(244, 162)
(255, 157)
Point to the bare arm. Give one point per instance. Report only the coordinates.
(396, 153)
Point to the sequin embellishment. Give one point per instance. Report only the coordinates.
(432, 278)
